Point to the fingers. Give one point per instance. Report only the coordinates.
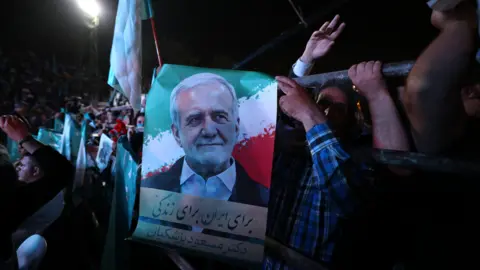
(285, 84)
(281, 104)
(352, 71)
(377, 67)
(5, 121)
(368, 66)
(324, 27)
(337, 32)
(331, 26)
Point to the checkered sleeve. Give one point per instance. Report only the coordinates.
(329, 162)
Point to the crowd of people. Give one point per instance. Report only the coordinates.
(327, 204)
(38, 94)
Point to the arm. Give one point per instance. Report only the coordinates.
(432, 99)
(317, 46)
(329, 160)
(388, 131)
(58, 172)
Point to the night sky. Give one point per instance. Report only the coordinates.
(219, 33)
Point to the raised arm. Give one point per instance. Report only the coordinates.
(58, 172)
(432, 95)
(319, 44)
(329, 158)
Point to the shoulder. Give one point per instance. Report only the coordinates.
(165, 180)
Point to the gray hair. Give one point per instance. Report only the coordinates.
(195, 80)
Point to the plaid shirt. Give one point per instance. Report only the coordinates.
(308, 197)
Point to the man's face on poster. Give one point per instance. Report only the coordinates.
(207, 127)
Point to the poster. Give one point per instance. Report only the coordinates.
(209, 124)
(105, 149)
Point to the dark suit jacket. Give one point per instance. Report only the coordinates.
(245, 191)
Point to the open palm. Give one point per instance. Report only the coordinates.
(322, 40)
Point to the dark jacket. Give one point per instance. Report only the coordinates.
(19, 202)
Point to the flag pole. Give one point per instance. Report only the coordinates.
(155, 38)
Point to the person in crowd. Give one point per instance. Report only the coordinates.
(140, 120)
(18, 202)
(315, 192)
(28, 169)
(442, 105)
(205, 123)
(112, 117)
(438, 99)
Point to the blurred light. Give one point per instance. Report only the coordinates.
(90, 7)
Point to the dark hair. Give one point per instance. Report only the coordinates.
(352, 99)
(116, 114)
(139, 114)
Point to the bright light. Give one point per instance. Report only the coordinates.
(90, 7)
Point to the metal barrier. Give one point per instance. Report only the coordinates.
(400, 69)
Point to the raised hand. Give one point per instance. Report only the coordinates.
(322, 40)
(298, 104)
(15, 128)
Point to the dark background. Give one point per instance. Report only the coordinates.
(220, 33)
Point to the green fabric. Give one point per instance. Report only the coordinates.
(50, 137)
(12, 147)
(115, 256)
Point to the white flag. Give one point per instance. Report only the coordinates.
(126, 55)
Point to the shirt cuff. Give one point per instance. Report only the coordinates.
(320, 137)
(301, 69)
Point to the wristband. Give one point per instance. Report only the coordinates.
(26, 139)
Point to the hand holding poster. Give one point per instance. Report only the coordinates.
(207, 161)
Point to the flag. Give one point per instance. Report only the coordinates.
(81, 162)
(71, 137)
(50, 137)
(126, 54)
(12, 147)
(125, 172)
(58, 125)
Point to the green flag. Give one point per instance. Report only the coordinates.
(124, 171)
(12, 147)
(50, 137)
(58, 125)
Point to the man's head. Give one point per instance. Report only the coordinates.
(28, 169)
(334, 102)
(205, 120)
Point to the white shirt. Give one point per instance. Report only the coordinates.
(216, 187)
(301, 69)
